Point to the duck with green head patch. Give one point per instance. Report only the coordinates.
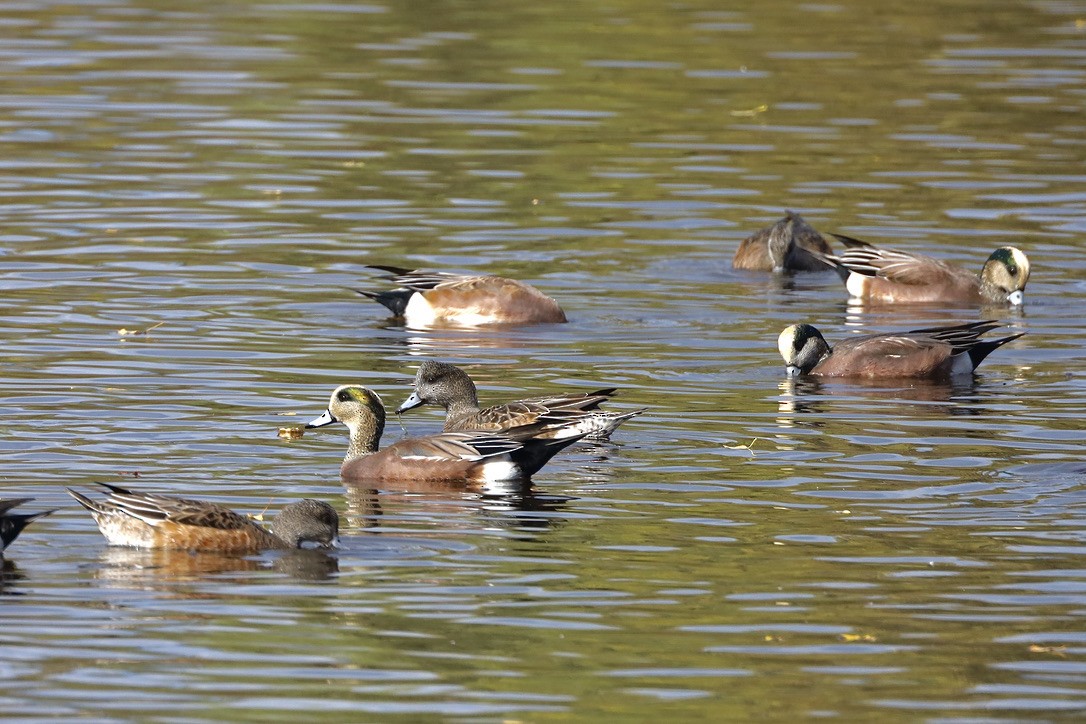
(471, 457)
(890, 276)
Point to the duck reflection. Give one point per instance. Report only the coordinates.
(135, 566)
(10, 575)
(506, 505)
(811, 396)
(880, 318)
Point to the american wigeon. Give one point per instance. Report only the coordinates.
(425, 298)
(439, 383)
(891, 276)
(934, 353)
(12, 524)
(784, 246)
(470, 457)
(147, 520)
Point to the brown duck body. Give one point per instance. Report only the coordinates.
(147, 520)
(791, 244)
(472, 457)
(428, 298)
(889, 276)
(937, 353)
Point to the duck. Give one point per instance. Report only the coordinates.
(150, 520)
(12, 524)
(440, 383)
(890, 276)
(468, 457)
(786, 246)
(427, 298)
(939, 353)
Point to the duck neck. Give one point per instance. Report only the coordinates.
(462, 407)
(463, 400)
(365, 437)
(990, 292)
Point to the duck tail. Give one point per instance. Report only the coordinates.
(983, 348)
(395, 300)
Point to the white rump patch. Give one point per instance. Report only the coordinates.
(419, 312)
(855, 284)
(499, 471)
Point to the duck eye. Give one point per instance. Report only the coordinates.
(344, 396)
(1012, 268)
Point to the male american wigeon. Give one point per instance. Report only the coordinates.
(147, 520)
(439, 383)
(784, 246)
(934, 353)
(891, 276)
(470, 457)
(425, 298)
(12, 524)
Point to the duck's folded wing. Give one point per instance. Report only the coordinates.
(456, 446)
(418, 280)
(897, 266)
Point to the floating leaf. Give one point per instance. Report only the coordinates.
(1060, 651)
(749, 447)
(852, 637)
(132, 332)
(291, 433)
(751, 112)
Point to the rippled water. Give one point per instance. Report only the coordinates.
(215, 178)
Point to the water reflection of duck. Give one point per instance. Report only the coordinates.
(505, 506)
(130, 566)
(806, 401)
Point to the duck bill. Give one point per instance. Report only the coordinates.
(323, 421)
(1016, 298)
(793, 371)
(410, 403)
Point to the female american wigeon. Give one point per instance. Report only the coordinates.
(439, 383)
(470, 457)
(891, 276)
(425, 298)
(147, 520)
(935, 353)
(785, 246)
(12, 524)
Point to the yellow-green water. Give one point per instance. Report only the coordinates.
(745, 550)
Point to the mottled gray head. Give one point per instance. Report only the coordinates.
(307, 521)
(439, 383)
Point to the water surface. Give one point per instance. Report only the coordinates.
(215, 178)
